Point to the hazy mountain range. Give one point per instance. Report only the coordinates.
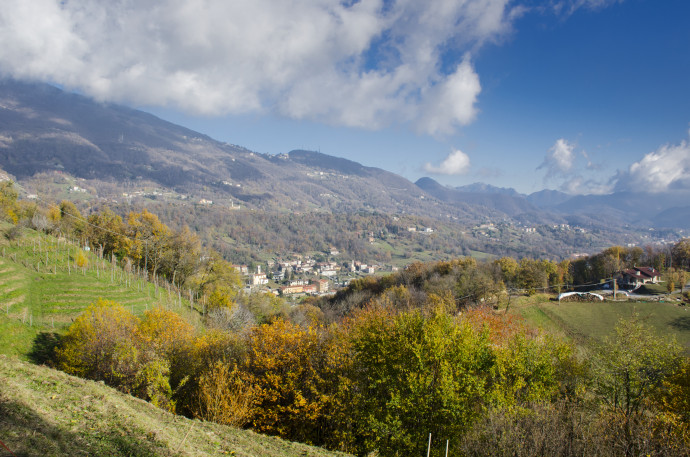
(44, 129)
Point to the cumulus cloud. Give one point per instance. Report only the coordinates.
(667, 168)
(573, 169)
(457, 163)
(559, 159)
(366, 63)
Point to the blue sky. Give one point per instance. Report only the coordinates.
(585, 96)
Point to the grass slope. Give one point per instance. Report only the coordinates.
(42, 290)
(586, 322)
(44, 412)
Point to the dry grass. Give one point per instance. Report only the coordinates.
(44, 412)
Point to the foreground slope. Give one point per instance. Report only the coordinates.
(44, 412)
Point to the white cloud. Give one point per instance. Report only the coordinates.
(573, 169)
(457, 163)
(559, 159)
(366, 63)
(577, 185)
(665, 169)
(570, 6)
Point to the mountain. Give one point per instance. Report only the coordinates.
(48, 135)
(636, 208)
(481, 195)
(673, 217)
(46, 130)
(548, 198)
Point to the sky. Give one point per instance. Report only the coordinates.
(582, 96)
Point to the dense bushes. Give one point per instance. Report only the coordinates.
(383, 379)
(108, 343)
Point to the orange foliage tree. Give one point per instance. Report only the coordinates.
(287, 365)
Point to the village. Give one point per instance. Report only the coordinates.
(303, 275)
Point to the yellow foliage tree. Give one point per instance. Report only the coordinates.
(286, 364)
(100, 345)
(8, 201)
(82, 260)
(197, 361)
(224, 397)
(164, 332)
(106, 342)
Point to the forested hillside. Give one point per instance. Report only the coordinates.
(438, 348)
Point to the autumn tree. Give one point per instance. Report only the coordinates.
(413, 375)
(181, 256)
(100, 345)
(149, 239)
(286, 364)
(629, 368)
(680, 252)
(71, 220)
(106, 231)
(531, 275)
(8, 201)
(224, 396)
(216, 280)
(106, 342)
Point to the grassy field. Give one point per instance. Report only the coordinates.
(45, 412)
(42, 289)
(591, 321)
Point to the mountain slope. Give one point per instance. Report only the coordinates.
(639, 208)
(119, 150)
(548, 198)
(504, 202)
(44, 412)
(483, 188)
(43, 129)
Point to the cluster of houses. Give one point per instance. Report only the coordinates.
(291, 274)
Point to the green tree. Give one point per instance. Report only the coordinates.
(150, 239)
(680, 253)
(630, 367)
(106, 231)
(532, 276)
(414, 375)
(71, 220)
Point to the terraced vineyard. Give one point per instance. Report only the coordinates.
(45, 282)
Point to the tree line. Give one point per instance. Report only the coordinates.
(382, 379)
(383, 363)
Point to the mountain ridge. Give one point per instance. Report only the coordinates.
(46, 130)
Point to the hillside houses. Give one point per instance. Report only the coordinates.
(301, 275)
(638, 276)
(258, 279)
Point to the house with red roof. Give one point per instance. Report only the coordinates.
(638, 276)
